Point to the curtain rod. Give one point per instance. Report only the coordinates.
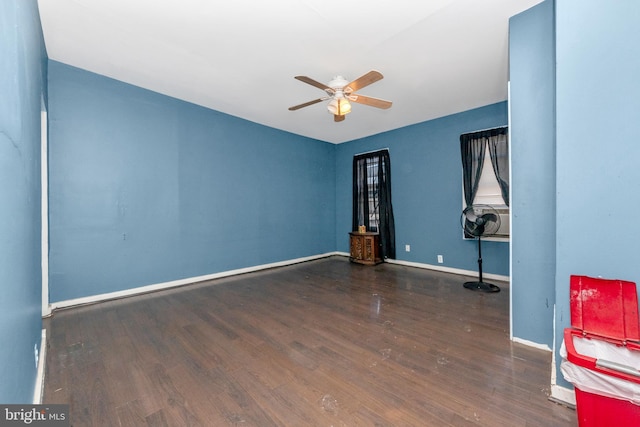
(372, 151)
(482, 130)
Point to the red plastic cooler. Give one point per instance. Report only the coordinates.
(603, 352)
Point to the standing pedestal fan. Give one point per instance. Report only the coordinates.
(479, 221)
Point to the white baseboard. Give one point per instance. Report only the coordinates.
(191, 280)
(539, 346)
(181, 282)
(42, 360)
(439, 268)
(563, 395)
(448, 269)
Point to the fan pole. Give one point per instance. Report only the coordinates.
(479, 259)
(480, 285)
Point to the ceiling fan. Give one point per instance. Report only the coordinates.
(341, 93)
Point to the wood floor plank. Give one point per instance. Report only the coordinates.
(157, 419)
(131, 414)
(321, 343)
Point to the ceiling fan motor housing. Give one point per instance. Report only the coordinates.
(338, 83)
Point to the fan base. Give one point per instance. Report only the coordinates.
(481, 286)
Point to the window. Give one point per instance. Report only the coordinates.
(373, 201)
(489, 191)
(485, 167)
(372, 206)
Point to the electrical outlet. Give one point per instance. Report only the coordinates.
(440, 259)
(407, 248)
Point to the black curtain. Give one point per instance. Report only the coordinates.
(372, 205)
(499, 152)
(472, 149)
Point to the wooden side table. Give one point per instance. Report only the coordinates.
(364, 248)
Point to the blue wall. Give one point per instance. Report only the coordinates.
(533, 173)
(146, 189)
(426, 181)
(21, 85)
(598, 111)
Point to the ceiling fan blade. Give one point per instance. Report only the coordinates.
(315, 83)
(337, 118)
(362, 81)
(306, 104)
(367, 100)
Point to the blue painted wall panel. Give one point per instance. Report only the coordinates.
(426, 179)
(598, 105)
(146, 189)
(21, 85)
(533, 180)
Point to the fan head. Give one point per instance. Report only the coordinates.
(480, 220)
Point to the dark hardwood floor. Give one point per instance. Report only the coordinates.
(323, 343)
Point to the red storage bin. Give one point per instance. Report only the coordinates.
(595, 410)
(602, 352)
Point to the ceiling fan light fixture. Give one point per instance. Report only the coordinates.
(339, 106)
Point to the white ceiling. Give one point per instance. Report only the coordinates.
(438, 57)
